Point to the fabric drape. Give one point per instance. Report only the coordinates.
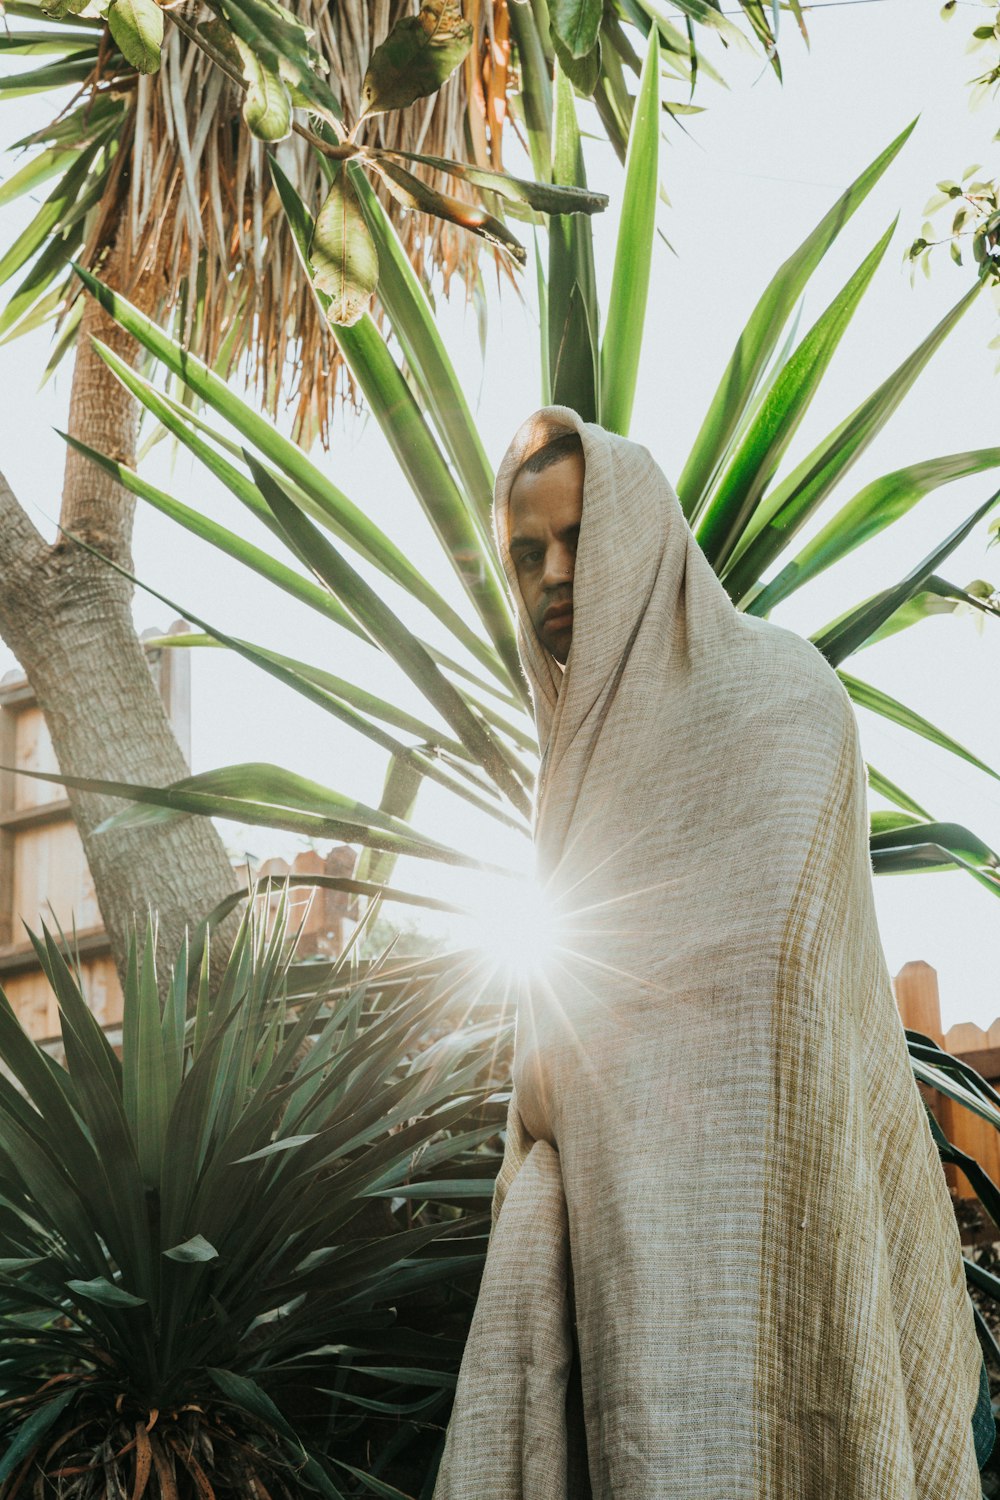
(724, 1258)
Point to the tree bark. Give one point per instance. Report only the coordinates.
(67, 617)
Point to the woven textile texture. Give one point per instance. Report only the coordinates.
(724, 1259)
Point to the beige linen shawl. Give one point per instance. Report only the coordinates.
(725, 1264)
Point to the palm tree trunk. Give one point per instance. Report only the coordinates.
(67, 617)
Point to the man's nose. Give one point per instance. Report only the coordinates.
(558, 566)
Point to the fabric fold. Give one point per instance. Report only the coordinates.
(510, 1438)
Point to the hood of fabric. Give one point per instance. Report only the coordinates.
(636, 553)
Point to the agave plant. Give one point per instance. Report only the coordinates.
(234, 1259)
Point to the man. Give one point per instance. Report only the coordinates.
(724, 1259)
(546, 504)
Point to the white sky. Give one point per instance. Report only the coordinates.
(752, 177)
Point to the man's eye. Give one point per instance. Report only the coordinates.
(529, 558)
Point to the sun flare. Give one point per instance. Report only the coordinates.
(513, 926)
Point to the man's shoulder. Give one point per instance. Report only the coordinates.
(792, 659)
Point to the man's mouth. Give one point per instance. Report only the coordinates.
(558, 614)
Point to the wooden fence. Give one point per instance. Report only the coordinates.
(44, 874)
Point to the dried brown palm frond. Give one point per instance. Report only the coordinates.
(183, 192)
(193, 1452)
(463, 119)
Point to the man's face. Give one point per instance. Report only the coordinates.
(545, 512)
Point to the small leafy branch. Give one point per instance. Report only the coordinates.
(967, 209)
(972, 203)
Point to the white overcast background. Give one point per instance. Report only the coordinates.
(746, 183)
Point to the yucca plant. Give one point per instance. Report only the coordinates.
(153, 174)
(234, 1257)
(475, 737)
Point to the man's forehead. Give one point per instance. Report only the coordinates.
(557, 446)
(555, 491)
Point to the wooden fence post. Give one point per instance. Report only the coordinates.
(920, 1008)
(329, 912)
(970, 1132)
(918, 1001)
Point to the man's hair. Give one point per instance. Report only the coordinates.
(563, 445)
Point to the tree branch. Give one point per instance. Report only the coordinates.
(23, 549)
